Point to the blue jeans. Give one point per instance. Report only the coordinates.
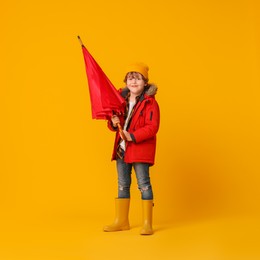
(124, 171)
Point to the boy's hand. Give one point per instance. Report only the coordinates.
(127, 135)
(115, 120)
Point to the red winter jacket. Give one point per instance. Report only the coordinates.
(143, 127)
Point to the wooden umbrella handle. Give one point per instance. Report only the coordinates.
(121, 131)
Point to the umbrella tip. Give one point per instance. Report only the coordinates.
(80, 41)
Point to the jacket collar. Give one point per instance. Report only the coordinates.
(151, 90)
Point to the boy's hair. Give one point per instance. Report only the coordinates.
(134, 74)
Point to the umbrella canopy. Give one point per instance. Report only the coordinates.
(105, 99)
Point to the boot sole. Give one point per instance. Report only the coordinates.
(116, 229)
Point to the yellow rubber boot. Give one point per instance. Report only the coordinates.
(121, 218)
(147, 228)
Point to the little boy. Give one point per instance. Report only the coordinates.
(141, 123)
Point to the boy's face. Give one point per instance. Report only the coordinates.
(135, 83)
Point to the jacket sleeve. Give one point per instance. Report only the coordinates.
(151, 123)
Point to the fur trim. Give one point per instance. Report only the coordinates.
(151, 90)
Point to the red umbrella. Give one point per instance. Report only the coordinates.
(105, 99)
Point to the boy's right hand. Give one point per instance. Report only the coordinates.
(115, 120)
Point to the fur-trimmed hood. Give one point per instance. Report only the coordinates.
(150, 90)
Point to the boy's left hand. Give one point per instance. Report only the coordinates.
(128, 136)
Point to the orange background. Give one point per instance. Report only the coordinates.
(55, 160)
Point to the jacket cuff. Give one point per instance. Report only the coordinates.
(133, 138)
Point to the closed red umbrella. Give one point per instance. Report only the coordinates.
(105, 99)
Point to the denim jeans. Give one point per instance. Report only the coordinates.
(124, 171)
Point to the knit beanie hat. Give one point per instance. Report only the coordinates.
(138, 67)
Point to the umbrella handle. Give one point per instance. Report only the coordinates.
(121, 131)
